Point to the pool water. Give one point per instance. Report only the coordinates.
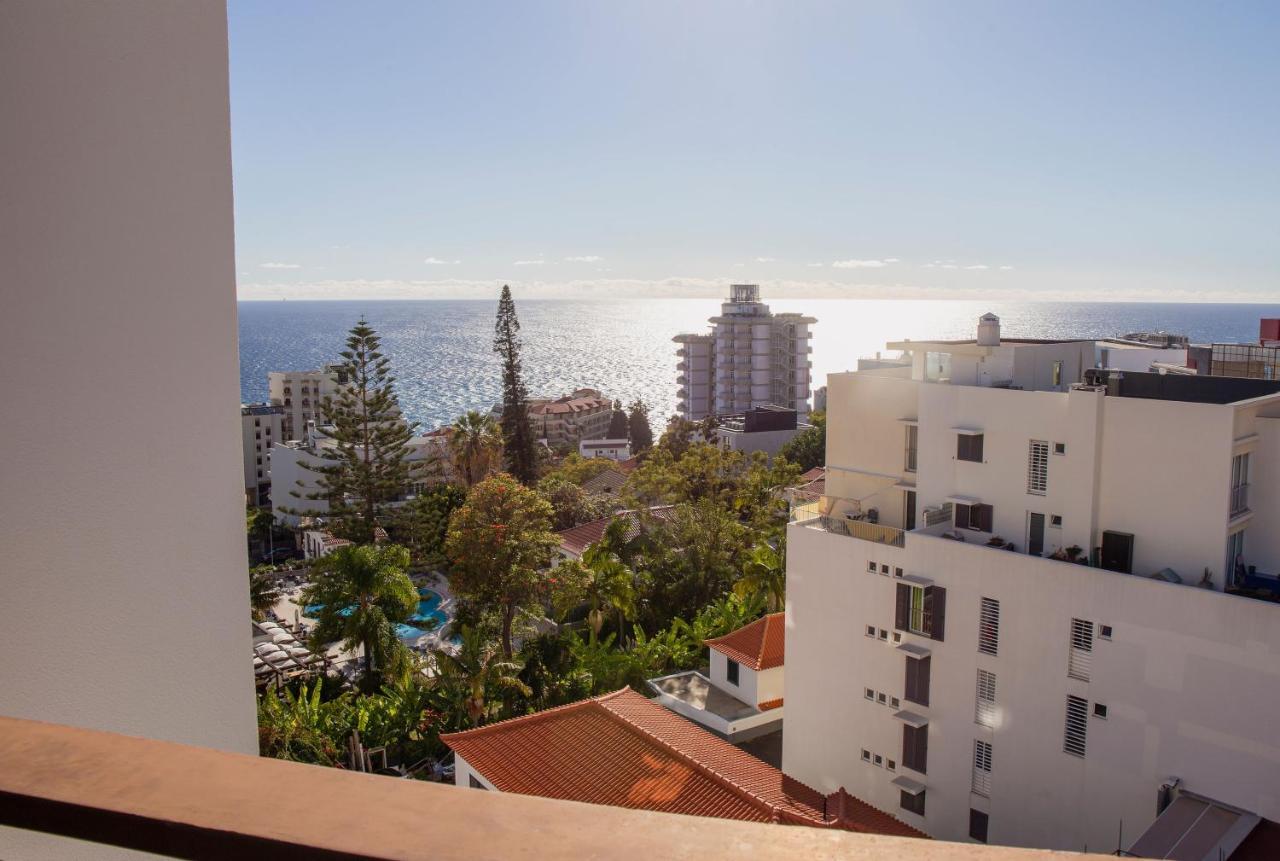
(428, 615)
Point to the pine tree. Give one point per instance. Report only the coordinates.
(641, 432)
(618, 425)
(366, 467)
(517, 436)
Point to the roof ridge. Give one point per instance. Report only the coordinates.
(698, 765)
(477, 731)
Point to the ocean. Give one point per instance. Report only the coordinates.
(441, 354)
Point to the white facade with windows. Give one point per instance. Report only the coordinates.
(302, 394)
(753, 357)
(1042, 702)
(261, 425)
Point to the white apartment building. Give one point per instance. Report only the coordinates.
(751, 358)
(613, 449)
(765, 429)
(290, 475)
(260, 426)
(946, 660)
(302, 395)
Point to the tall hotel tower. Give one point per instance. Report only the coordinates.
(752, 357)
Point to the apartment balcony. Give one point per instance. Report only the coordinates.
(847, 517)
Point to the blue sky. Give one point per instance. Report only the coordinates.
(1118, 150)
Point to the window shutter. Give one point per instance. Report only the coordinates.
(935, 612)
(917, 682)
(985, 709)
(986, 516)
(1038, 467)
(976, 447)
(962, 517)
(1080, 655)
(962, 447)
(915, 747)
(989, 627)
(902, 610)
(1073, 741)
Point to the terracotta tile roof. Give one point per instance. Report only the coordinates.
(758, 646)
(770, 704)
(628, 466)
(577, 539)
(608, 481)
(813, 475)
(624, 750)
(813, 481)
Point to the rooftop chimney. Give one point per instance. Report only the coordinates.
(988, 330)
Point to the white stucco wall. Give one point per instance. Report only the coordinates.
(745, 690)
(463, 772)
(123, 584)
(769, 685)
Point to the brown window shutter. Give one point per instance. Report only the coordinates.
(902, 609)
(935, 611)
(962, 517)
(917, 683)
(976, 447)
(985, 517)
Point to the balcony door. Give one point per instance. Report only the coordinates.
(1035, 533)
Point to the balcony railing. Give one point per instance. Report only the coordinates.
(850, 521)
(191, 802)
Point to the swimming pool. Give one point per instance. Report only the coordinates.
(428, 617)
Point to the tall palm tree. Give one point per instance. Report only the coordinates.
(475, 447)
(765, 572)
(474, 673)
(363, 593)
(605, 583)
(264, 591)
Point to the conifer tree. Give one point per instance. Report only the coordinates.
(365, 469)
(641, 431)
(618, 425)
(517, 436)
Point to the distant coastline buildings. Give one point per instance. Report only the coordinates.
(302, 395)
(260, 426)
(752, 357)
(566, 421)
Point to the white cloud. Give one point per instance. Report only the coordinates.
(947, 266)
(529, 263)
(436, 261)
(978, 266)
(859, 264)
(584, 258)
(1006, 268)
(766, 260)
(281, 265)
(815, 265)
(891, 260)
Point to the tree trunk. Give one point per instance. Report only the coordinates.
(508, 617)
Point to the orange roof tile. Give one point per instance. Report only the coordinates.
(624, 750)
(767, 705)
(628, 466)
(758, 646)
(577, 539)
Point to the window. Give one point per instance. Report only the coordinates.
(268, 431)
(474, 782)
(913, 434)
(1055, 520)
(914, 803)
(897, 572)
(1239, 484)
(1235, 556)
(259, 461)
(257, 435)
(916, 687)
(884, 569)
(871, 630)
(869, 693)
(978, 825)
(1037, 467)
(1104, 632)
(891, 765)
(982, 768)
(877, 760)
(1099, 711)
(897, 638)
(989, 626)
(866, 755)
(1059, 448)
(894, 702)
(1057, 373)
(881, 697)
(1081, 653)
(871, 567)
(969, 447)
(985, 710)
(1073, 738)
(921, 610)
(884, 635)
(915, 747)
(731, 672)
(976, 516)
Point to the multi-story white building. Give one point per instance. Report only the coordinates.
(751, 358)
(302, 395)
(260, 426)
(293, 471)
(1009, 617)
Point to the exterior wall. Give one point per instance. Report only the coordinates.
(288, 476)
(302, 395)
(745, 690)
(769, 685)
(463, 772)
(615, 449)
(116, 232)
(769, 442)
(259, 429)
(1190, 678)
(1262, 543)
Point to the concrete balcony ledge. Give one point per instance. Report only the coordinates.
(196, 803)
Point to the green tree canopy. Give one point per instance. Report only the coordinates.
(808, 448)
(640, 431)
(475, 447)
(422, 523)
(619, 428)
(363, 593)
(570, 504)
(500, 542)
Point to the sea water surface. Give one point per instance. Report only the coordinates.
(441, 350)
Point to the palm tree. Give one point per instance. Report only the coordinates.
(475, 447)
(472, 674)
(764, 573)
(605, 583)
(363, 593)
(264, 591)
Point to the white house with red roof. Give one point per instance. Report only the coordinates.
(742, 698)
(624, 750)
